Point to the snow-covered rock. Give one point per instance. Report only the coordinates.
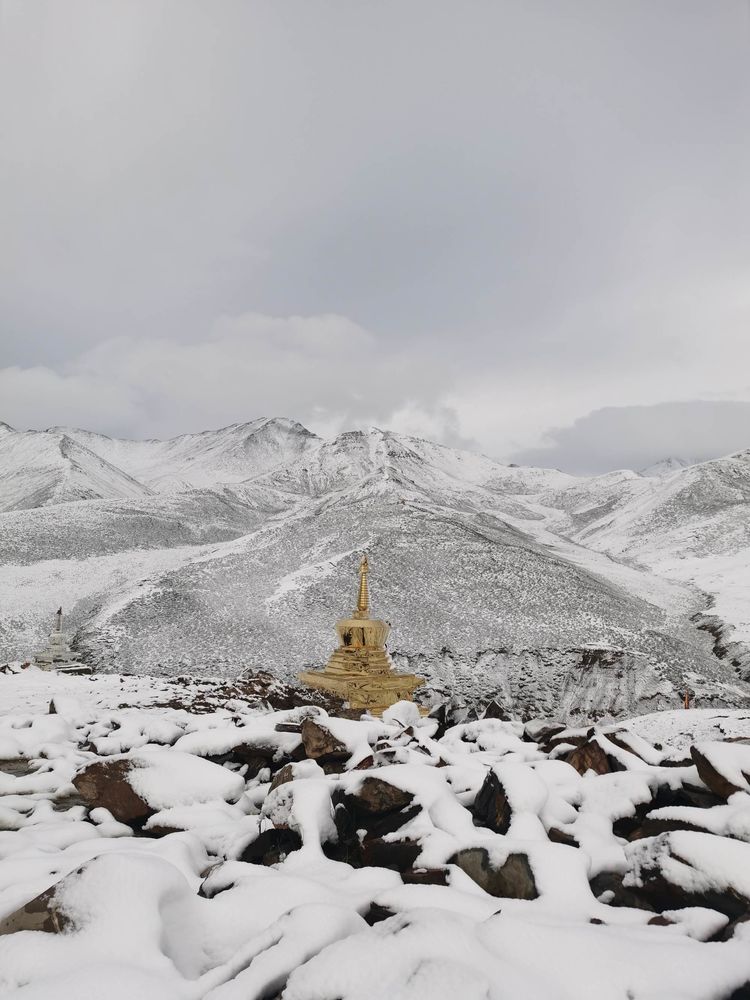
(437, 859)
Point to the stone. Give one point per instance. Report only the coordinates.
(398, 855)
(281, 777)
(491, 808)
(541, 730)
(425, 876)
(105, 783)
(607, 887)
(589, 757)
(658, 874)
(320, 744)
(496, 711)
(39, 914)
(512, 880)
(561, 837)
(377, 796)
(271, 846)
(720, 784)
(377, 913)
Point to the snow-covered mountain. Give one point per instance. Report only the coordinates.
(602, 595)
(229, 455)
(50, 467)
(667, 466)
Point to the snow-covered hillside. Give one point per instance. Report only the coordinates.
(49, 467)
(498, 579)
(229, 455)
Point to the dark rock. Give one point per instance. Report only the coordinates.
(257, 755)
(727, 932)
(105, 783)
(378, 913)
(377, 796)
(320, 744)
(617, 895)
(398, 855)
(425, 876)
(560, 837)
(650, 879)
(513, 880)
(741, 993)
(541, 730)
(39, 914)
(686, 795)
(491, 808)
(440, 714)
(271, 846)
(589, 757)
(496, 711)
(621, 741)
(574, 737)
(718, 783)
(282, 777)
(652, 827)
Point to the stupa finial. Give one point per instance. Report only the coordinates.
(363, 597)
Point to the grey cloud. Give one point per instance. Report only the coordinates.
(634, 437)
(540, 194)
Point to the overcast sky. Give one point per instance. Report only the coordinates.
(523, 227)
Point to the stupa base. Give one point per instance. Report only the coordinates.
(372, 693)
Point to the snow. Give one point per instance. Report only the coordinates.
(252, 560)
(168, 779)
(156, 913)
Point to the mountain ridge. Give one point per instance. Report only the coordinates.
(486, 569)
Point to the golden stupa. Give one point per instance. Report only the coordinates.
(360, 670)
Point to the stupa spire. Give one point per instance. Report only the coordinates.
(360, 671)
(363, 597)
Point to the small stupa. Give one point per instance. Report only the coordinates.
(360, 670)
(58, 655)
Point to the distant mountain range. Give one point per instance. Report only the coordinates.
(234, 549)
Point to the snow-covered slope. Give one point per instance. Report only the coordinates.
(692, 525)
(49, 467)
(229, 455)
(666, 466)
(499, 580)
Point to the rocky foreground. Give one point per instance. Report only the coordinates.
(173, 841)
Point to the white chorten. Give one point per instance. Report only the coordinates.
(57, 654)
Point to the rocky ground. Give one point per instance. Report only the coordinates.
(181, 839)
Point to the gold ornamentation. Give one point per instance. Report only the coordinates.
(360, 670)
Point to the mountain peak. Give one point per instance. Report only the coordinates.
(666, 466)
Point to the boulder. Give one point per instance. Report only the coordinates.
(496, 711)
(685, 869)
(724, 768)
(589, 757)
(105, 784)
(271, 847)
(491, 808)
(39, 914)
(425, 876)
(320, 744)
(135, 786)
(376, 796)
(607, 887)
(398, 855)
(541, 730)
(513, 880)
